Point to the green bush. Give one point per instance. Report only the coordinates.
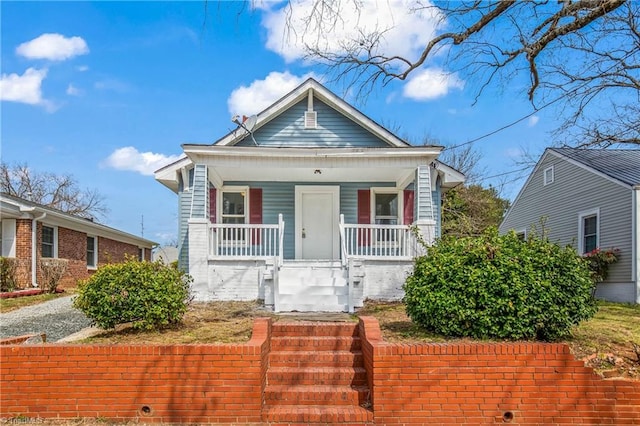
(500, 287)
(150, 295)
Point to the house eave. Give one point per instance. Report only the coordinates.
(25, 210)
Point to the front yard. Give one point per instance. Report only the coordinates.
(605, 342)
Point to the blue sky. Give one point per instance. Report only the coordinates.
(107, 92)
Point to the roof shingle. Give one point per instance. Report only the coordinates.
(619, 164)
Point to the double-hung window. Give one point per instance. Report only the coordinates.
(386, 205)
(48, 245)
(589, 231)
(92, 252)
(234, 212)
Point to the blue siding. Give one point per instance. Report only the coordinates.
(279, 197)
(334, 130)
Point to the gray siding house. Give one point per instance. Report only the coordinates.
(309, 206)
(589, 198)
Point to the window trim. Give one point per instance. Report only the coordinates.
(386, 190)
(220, 215)
(95, 253)
(544, 174)
(581, 216)
(55, 241)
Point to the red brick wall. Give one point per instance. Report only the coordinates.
(110, 251)
(188, 383)
(72, 245)
(525, 384)
(486, 383)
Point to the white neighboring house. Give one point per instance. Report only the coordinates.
(310, 211)
(590, 198)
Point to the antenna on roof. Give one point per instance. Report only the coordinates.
(247, 123)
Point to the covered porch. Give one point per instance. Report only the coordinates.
(257, 221)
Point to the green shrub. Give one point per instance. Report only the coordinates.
(150, 295)
(8, 279)
(500, 287)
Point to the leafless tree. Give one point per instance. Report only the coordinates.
(581, 57)
(49, 189)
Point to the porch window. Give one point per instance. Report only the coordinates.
(234, 212)
(92, 251)
(48, 241)
(387, 205)
(589, 230)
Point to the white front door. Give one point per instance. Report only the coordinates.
(317, 214)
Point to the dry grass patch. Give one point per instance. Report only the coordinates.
(211, 322)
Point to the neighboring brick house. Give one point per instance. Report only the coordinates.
(84, 243)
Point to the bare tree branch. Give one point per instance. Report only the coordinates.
(60, 192)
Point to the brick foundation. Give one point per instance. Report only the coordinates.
(525, 384)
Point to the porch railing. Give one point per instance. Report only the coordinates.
(374, 241)
(247, 241)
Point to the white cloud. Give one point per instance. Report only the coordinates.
(431, 83)
(533, 120)
(82, 68)
(112, 84)
(406, 25)
(25, 88)
(145, 163)
(54, 47)
(74, 91)
(262, 93)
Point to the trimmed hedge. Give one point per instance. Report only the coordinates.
(149, 295)
(500, 287)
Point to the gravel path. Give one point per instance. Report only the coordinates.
(57, 318)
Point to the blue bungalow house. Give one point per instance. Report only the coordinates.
(311, 206)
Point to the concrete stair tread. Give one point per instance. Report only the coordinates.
(310, 307)
(317, 414)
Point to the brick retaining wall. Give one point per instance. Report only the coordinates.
(524, 384)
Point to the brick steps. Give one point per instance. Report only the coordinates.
(316, 395)
(318, 414)
(316, 375)
(316, 359)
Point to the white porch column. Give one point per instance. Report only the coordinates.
(198, 258)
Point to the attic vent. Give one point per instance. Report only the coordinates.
(310, 120)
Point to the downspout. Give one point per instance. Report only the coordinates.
(34, 248)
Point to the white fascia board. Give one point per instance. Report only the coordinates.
(168, 175)
(323, 94)
(199, 153)
(450, 176)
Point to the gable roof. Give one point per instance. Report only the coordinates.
(622, 165)
(16, 207)
(312, 88)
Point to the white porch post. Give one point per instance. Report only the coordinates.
(425, 220)
(198, 257)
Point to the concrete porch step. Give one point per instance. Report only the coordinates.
(316, 395)
(312, 307)
(346, 376)
(323, 289)
(318, 414)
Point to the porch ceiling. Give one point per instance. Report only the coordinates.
(311, 165)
